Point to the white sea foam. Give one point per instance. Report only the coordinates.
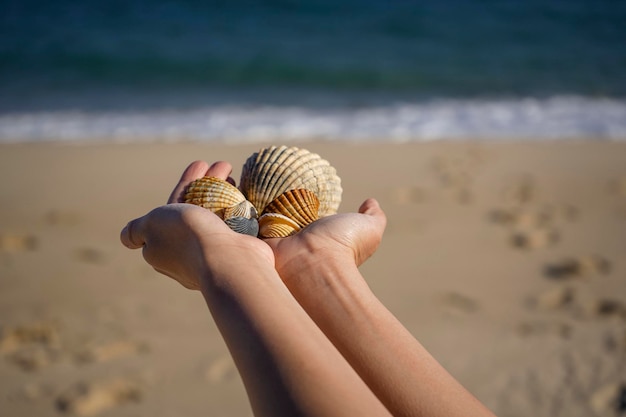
(529, 119)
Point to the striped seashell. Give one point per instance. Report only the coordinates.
(288, 213)
(272, 171)
(225, 200)
(243, 225)
(277, 225)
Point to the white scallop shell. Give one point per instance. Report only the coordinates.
(272, 171)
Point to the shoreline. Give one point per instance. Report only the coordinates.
(521, 118)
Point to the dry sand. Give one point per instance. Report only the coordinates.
(507, 261)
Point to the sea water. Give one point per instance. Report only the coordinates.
(367, 70)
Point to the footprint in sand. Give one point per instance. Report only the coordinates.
(221, 369)
(31, 347)
(61, 218)
(457, 175)
(34, 358)
(13, 338)
(18, 242)
(459, 169)
(554, 299)
(604, 308)
(616, 342)
(34, 391)
(516, 218)
(90, 255)
(542, 328)
(580, 267)
(617, 186)
(458, 302)
(534, 239)
(464, 196)
(572, 383)
(91, 398)
(521, 192)
(542, 217)
(534, 228)
(408, 195)
(566, 298)
(110, 351)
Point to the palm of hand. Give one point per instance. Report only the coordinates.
(177, 238)
(194, 229)
(354, 236)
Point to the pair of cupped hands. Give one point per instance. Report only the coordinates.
(189, 243)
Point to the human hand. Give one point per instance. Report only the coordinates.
(349, 237)
(199, 169)
(189, 243)
(357, 233)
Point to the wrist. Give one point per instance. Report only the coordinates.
(322, 275)
(234, 264)
(315, 259)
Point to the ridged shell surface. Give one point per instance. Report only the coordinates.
(219, 196)
(300, 205)
(277, 225)
(274, 170)
(288, 213)
(243, 225)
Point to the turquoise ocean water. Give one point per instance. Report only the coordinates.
(292, 70)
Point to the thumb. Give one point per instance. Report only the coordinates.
(132, 235)
(371, 207)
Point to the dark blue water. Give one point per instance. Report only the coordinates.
(145, 55)
(440, 48)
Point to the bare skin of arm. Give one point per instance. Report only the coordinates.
(288, 366)
(319, 266)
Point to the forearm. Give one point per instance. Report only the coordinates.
(287, 364)
(398, 369)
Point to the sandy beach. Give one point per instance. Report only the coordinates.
(506, 260)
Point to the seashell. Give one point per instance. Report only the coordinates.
(225, 200)
(288, 213)
(291, 187)
(272, 171)
(277, 225)
(243, 225)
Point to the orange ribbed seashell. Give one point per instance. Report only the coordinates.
(288, 213)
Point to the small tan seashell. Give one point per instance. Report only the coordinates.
(276, 225)
(272, 171)
(219, 196)
(288, 213)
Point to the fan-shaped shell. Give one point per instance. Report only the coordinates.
(219, 196)
(276, 225)
(272, 171)
(243, 225)
(288, 213)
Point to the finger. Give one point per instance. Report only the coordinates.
(220, 169)
(131, 235)
(371, 207)
(195, 170)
